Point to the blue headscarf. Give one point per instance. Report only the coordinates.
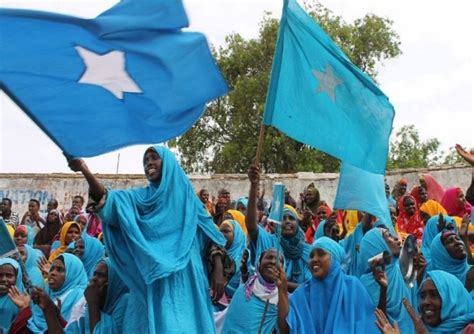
(72, 290)
(431, 229)
(242, 200)
(93, 253)
(351, 245)
(372, 244)
(457, 306)
(31, 266)
(320, 230)
(8, 310)
(441, 260)
(149, 232)
(338, 303)
(327, 244)
(235, 251)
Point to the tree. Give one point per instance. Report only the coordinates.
(408, 151)
(225, 137)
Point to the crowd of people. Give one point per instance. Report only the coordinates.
(169, 259)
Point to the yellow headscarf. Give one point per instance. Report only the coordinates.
(62, 239)
(239, 218)
(432, 208)
(10, 229)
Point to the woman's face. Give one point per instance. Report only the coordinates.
(204, 196)
(152, 166)
(393, 243)
(53, 216)
(331, 230)
(289, 226)
(268, 266)
(422, 194)
(321, 214)
(455, 247)
(402, 189)
(20, 238)
(57, 275)
(393, 215)
(409, 205)
(310, 195)
(72, 234)
(461, 200)
(228, 233)
(82, 220)
(240, 207)
(7, 278)
(319, 263)
(101, 277)
(430, 304)
(79, 248)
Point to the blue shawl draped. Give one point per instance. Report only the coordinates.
(72, 290)
(31, 266)
(151, 235)
(441, 260)
(244, 316)
(372, 244)
(93, 253)
(431, 229)
(351, 245)
(235, 251)
(8, 310)
(336, 304)
(457, 306)
(320, 230)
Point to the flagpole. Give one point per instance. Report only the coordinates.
(260, 144)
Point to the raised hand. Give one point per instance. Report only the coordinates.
(21, 300)
(254, 174)
(379, 275)
(469, 157)
(282, 280)
(415, 318)
(441, 223)
(44, 266)
(384, 325)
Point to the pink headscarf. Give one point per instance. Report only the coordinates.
(434, 189)
(451, 204)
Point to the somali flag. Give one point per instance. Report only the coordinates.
(318, 97)
(129, 76)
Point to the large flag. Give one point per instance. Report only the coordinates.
(318, 97)
(129, 76)
(364, 191)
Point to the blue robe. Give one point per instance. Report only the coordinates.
(156, 238)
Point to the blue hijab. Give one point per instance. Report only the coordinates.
(351, 245)
(93, 253)
(8, 310)
(431, 229)
(372, 244)
(31, 266)
(441, 260)
(72, 290)
(336, 304)
(242, 200)
(457, 306)
(235, 251)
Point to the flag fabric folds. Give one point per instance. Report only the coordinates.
(129, 76)
(318, 97)
(364, 191)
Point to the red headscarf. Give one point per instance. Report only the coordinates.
(434, 189)
(411, 225)
(451, 204)
(315, 222)
(415, 194)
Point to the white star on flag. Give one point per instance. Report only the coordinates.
(107, 71)
(327, 82)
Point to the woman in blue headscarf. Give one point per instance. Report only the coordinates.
(331, 302)
(393, 290)
(289, 239)
(30, 257)
(90, 250)
(235, 247)
(256, 300)
(67, 280)
(241, 204)
(444, 306)
(157, 238)
(434, 225)
(448, 253)
(10, 275)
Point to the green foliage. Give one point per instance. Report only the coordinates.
(408, 151)
(225, 138)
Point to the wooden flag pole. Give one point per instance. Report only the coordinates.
(260, 144)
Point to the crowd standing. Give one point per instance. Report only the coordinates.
(169, 259)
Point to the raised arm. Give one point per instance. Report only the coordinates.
(96, 189)
(251, 215)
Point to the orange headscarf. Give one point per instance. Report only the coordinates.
(432, 208)
(62, 239)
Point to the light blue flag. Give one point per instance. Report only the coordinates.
(129, 76)
(364, 191)
(7, 246)
(278, 202)
(318, 97)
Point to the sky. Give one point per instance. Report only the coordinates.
(430, 84)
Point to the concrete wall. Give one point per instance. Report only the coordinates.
(22, 187)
